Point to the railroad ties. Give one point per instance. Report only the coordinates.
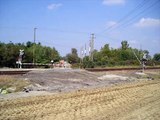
(13, 72)
(118, 69)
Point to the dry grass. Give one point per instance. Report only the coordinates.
(134, 101)
(10, 81)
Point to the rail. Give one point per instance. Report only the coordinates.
(19, 72)
(117, 69)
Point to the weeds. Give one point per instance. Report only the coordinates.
(10, 82)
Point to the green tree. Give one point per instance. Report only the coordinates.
(29, 44)
(2, 54)
(124, 44)
(45, 54)
(73, 56)
(74, 51)
(105, 54)
(87, 63)
(105, 51)
(9, 53)
(156, 57)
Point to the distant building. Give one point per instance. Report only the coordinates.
(62, 64)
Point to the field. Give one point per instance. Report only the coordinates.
(138, 100)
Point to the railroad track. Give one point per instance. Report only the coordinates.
(21, 72)
(117, 69)
(16, 72)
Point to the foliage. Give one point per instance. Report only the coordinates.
(124, 44)
(9, 53)
(87, 63)
(123, 56)
(157, 57)
(73, 56)
(105, 57)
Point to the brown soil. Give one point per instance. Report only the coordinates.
(64, 80)
(133, 101)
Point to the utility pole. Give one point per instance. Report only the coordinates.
(85, 51)
(81, 56)
(91, 47)
(81, 53)
(34, 45)
(35, 34)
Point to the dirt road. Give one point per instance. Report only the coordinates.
(133, 101)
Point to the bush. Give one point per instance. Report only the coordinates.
(88, 64)
(76, 65)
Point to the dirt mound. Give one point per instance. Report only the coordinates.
(113, 77)
(58, 80)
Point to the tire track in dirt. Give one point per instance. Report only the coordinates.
(125, 102)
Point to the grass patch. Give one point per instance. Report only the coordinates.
(8, 82)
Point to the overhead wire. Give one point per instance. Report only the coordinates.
(53, 43)
(140, 5)
(46, 29)
(65, 31)
(124, 21)
(131, 19)
(49, 29)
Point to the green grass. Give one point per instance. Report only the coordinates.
(8, 81)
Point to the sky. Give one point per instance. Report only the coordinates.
(66, 24)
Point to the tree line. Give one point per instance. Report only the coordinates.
(9, 53)
(109, 57)
(105, 57)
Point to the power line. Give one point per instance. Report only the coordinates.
(61, 30)
(130, 21)
(127, 15)
(55, 44)
(48, 29)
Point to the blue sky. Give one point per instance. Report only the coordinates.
(66, 24)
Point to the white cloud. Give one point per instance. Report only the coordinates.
(148, 22)
(54, 6)
(156, 41)
(133, 42)
(113, 2)
(111, 24)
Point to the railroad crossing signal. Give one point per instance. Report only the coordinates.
(19, 62)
